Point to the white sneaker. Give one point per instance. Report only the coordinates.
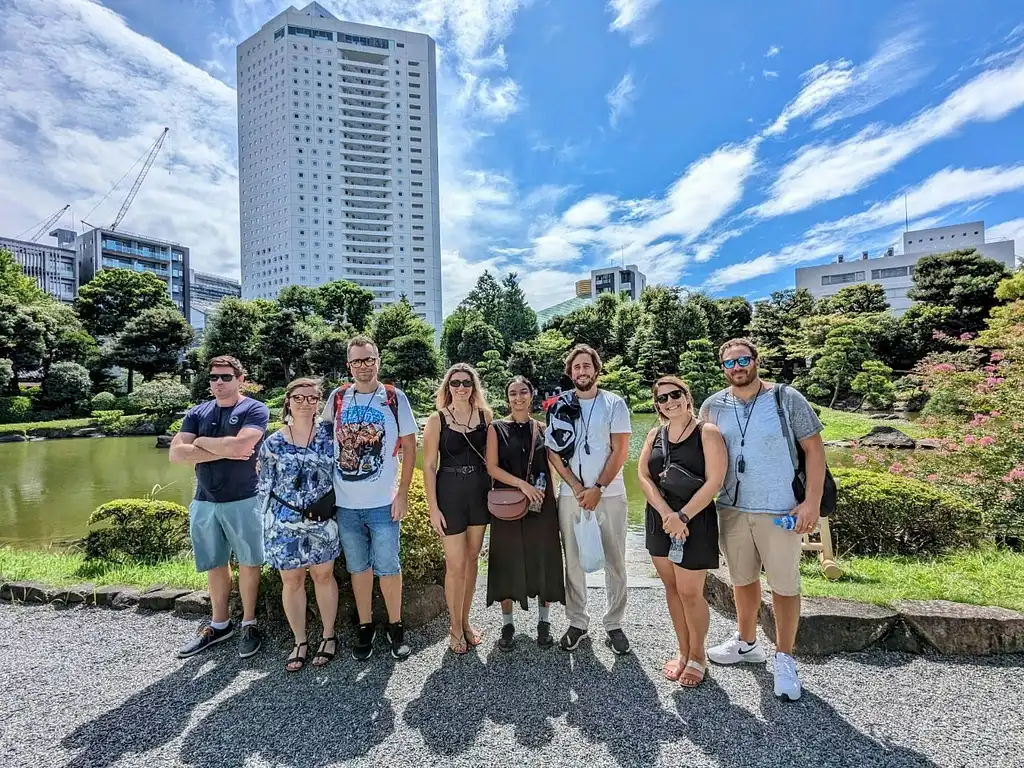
(735, 650)
(787, 681)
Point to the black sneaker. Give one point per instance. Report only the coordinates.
(205, 637)
(251, 641)
(571, 639)
(396, 639)
(508, 637)
(619, 642)
(363, 649)
(544, 638)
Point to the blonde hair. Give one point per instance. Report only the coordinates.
(669, 381)
(477, 399)
(286, 412)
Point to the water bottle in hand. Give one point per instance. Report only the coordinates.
(786, 522)
(675, 552)
(541, 484)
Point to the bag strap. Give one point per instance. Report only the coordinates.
(786, 431)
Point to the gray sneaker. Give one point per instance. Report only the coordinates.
(205, 637)
(251, 641)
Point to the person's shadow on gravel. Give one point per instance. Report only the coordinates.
(307, 719)
(806, 733)
(150, 718)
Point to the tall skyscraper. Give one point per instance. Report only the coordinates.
(337, 155)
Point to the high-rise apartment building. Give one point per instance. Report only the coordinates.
(53, 267)
(337, 136)
(211, 288)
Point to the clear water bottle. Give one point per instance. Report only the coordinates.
(786, 522)
(675, 552)
(541, 484)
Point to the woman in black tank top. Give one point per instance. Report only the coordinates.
(698, 451)
(456, 483)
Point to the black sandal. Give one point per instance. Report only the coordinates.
(322, 654)
(301, 660)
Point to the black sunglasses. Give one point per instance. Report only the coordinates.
(663, 398)
(456, 383)
(221, 377)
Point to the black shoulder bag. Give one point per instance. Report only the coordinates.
(796, 453)
(675, 478)
(322, 509)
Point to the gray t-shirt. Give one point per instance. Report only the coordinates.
(765, 485)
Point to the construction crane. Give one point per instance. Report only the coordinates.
(140, 178)
(41, 229)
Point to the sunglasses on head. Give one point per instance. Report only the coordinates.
(743, 362)
(663, 398)
(221, 377)
(456, 383)
(311, 399)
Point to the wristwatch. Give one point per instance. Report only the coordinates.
(599, 487)
(684, 518)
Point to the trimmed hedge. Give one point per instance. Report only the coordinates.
(137, 530)
(422, 552)
(104, 401)
(883, 514)
(14, 410)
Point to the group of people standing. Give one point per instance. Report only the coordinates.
(335, 479)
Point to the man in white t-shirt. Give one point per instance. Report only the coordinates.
(592, 480)
(372, 424)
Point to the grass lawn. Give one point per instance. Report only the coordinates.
(843, 425)
(981, 577)
(63, 569)
(23, 428)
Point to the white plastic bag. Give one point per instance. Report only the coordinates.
(588, 540)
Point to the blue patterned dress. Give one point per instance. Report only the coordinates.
(290, 540)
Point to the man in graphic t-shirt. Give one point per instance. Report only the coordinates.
(222, 437)
(373, 427)
(592, 481)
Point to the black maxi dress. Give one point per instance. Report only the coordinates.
(525, 555)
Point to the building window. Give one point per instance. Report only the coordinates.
(884, 274)
(845, 277)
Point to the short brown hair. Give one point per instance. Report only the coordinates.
(674, 381)
(227, 361)
(582, 349)
(362, 341)
(292, 386)
(740, 342)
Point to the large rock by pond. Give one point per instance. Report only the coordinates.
(886, 437)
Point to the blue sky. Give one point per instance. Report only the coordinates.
(716, 145)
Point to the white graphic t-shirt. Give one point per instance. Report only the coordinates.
(601, 417)
(366, 446)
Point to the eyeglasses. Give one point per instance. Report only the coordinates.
(311, 399)
(663, 398)
(364, 362)
(221, 377)
(456, 383)
(742, 361)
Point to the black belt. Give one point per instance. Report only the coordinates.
(464, 470)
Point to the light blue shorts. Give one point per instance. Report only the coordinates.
(220, 528)
(370, 539)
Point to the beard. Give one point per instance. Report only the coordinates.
(584, 383)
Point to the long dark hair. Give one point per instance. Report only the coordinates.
(520, 380)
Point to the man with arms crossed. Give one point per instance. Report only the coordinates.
(374, 422)
(221, 437)
(758, 489)
(593, 481)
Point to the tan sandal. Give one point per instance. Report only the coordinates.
(672, 669)
(457, 645)
(687, 680)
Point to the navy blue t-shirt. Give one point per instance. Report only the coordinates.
(226, 479)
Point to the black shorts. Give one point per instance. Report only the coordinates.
(701, 549)
(462, 499)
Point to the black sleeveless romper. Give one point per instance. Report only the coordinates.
(462, 479)
(701, 549)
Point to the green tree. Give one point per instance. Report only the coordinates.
(328, 354)
(713, 317)
(874, 384)
(64, 337)
(451, 332)
(494, 375)
(282, 345)
(22, 339)
(699, 368)
(962, 279)
(1011, 288)
(628, 318)
(153, 342)
(234, 329)
(668, 324)
(344, 302)
(6, 373)
(854, 300)
(407, 359)
(588, 325)
(625, 381)
(15, 284)
(301, 299)
(486, 298)
(736, 315)
(477, 338)
(774, 319)
(846, 349)
(516, 320)
(541, 360)
(161, 396)
(919, 331)
(398, 319)
(67, 385)
(114, 297)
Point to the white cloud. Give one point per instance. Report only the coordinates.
(769, 74)
(853, 90)
(773, 51)
(830, 170)
(499, 101)
(631, 18)
(620, 99)
(589, 212)
(1009, 230)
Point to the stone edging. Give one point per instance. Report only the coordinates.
(830, 625)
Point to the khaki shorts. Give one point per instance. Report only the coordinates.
(750, 540)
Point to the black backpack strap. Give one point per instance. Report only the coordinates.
(784, 422)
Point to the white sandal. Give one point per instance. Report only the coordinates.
(701, 668)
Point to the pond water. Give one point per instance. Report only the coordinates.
(49, 488)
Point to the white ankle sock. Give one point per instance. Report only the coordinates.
(250, 623)
(545, 613)
(506, 619)
(219, 625)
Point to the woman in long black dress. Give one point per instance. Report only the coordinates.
(700, 450)
(525, 558)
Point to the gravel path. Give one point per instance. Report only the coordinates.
(93, 687)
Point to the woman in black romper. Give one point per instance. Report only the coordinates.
(456, 483)
(525, 555)
(699, 448)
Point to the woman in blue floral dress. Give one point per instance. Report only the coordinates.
(295, 470)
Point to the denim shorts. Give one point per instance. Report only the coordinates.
(220, 528)
(369, 539)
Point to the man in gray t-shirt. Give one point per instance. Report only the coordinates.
(758, 491)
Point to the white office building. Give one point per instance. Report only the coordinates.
(337, 136)
(53, 267)
(895, 272)
(629, 280)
